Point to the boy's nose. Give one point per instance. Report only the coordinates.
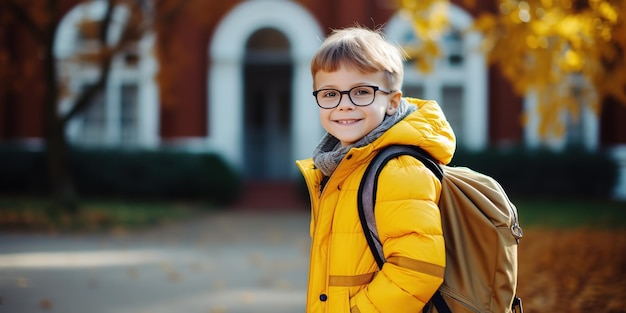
(345, 102)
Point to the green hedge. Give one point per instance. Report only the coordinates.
(103, 172)
(176, 174)
(22, 171)
(574, 172)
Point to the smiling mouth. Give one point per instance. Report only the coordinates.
(347, 122)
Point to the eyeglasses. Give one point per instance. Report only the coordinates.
(359, 96)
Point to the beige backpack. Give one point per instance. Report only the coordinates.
(481, 232)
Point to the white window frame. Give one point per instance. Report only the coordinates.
(67, 45)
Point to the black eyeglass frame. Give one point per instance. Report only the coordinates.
(347, 92)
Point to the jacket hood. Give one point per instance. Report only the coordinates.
(425, 127)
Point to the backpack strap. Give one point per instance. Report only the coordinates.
(439, 302)
(369, 185)
(367, 199)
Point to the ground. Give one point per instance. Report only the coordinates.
(255, 261)
(222, 263)
(576, 270)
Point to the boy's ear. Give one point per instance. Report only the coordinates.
(394, 102)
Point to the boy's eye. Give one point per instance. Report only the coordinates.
(361, 91)
(330, 93)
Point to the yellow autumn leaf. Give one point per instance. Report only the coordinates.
(540, 27)
(568, 27)
(485, 22)
(539, 44)
(607, 11)
(572, 61)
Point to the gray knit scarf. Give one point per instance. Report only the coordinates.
(329, 151)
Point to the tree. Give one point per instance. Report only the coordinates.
(41, 19)
(570, 53)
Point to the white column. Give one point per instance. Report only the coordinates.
(225, 111)
(619, 155)
(475, 109)
(531, 129)
(148, 94)
(306, 128)
(113, 104)
(591, 128)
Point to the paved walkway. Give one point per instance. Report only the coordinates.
(223, 263)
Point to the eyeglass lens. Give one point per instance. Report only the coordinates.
(360, 95)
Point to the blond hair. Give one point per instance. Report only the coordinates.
(365, 49)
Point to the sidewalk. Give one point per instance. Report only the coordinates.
(227, 262)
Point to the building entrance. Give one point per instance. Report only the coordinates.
(267, 107)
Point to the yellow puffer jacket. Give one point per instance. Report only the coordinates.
(343, 275)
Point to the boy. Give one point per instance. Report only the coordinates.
(357, 78)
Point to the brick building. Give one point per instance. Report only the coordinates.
(244, 90)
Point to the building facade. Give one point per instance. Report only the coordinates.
(243, 86)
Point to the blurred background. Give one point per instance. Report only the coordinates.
(139, 125)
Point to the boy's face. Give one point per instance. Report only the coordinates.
(349, 122)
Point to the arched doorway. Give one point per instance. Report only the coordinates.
(267, 106)
(225, 87)
(256, 40)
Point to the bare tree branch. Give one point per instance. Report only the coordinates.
(106, 22)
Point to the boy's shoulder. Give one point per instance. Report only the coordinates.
(418, 102)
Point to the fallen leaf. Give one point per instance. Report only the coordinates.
(45, 304)
(23, 282)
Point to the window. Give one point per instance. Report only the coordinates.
(581, 129)
(458, 81)
(452, 104)
(93, 122)
(129, 118)
(125, 112)
(453, 48)
(444, 84)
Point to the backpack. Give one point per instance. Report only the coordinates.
(480, 229)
